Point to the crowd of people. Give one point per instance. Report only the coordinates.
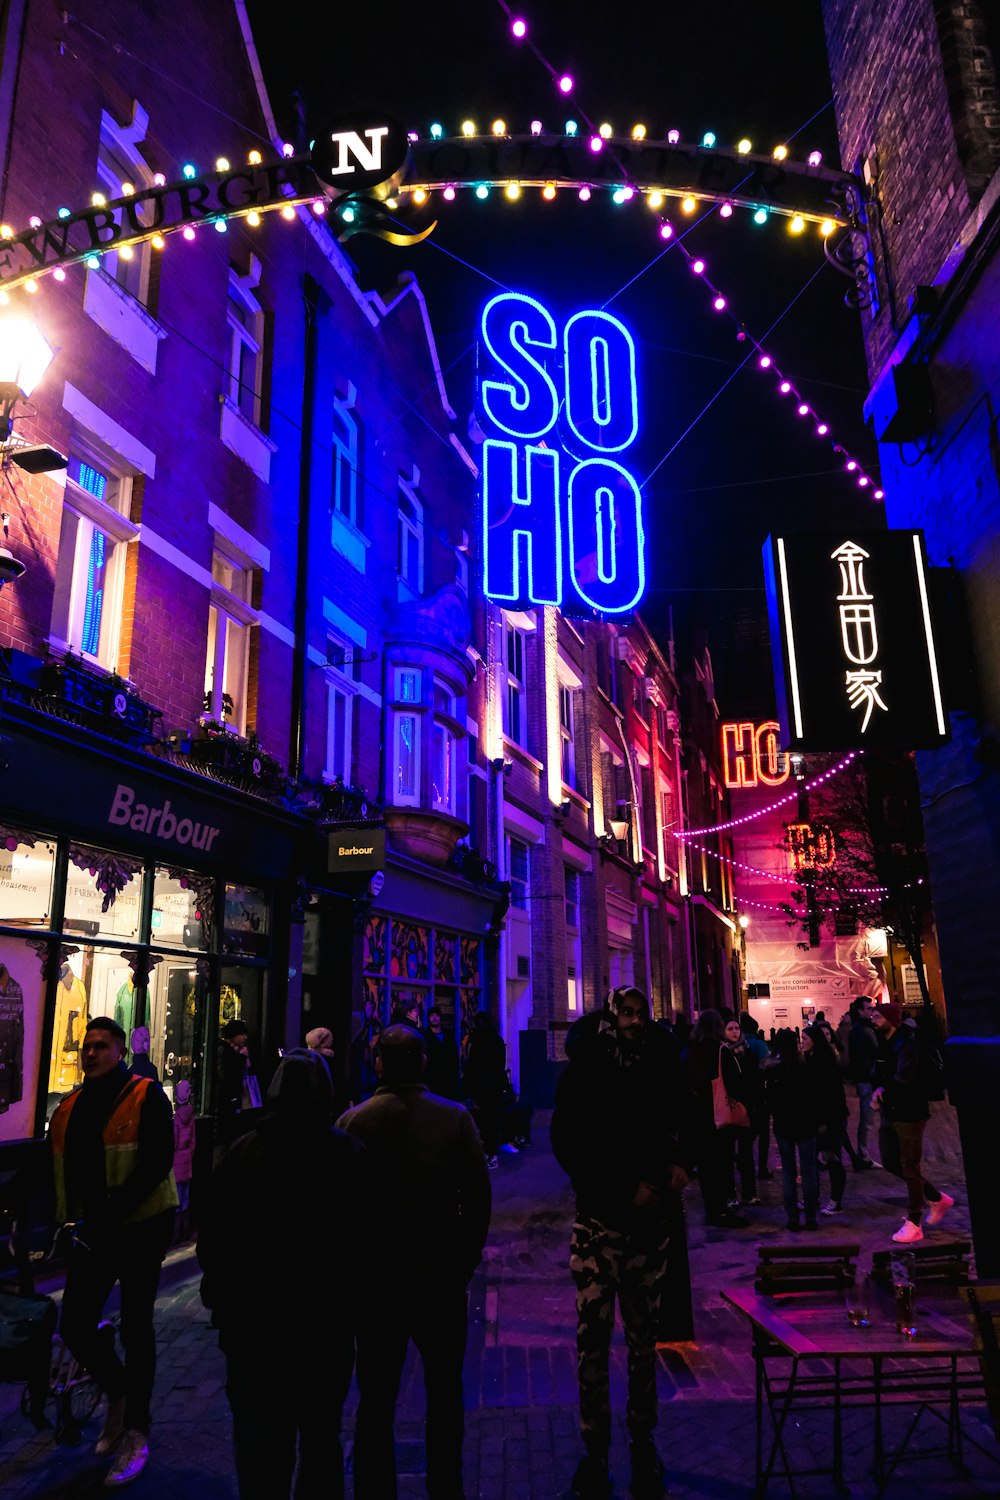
(320, 1183)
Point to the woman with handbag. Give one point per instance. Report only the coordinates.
(714, 1080)
(791, 1097)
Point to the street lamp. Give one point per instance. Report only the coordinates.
(24, 358)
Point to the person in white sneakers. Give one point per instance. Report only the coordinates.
(905, 1112)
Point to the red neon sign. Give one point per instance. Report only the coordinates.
(751, 755)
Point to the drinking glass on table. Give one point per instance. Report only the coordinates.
(906, 1294)
(857, 1300)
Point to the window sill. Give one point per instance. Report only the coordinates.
(346, 539)
(574, 796)
(519, 753)
(243, 438)
(123, 318)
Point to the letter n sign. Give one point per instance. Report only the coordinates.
(561, 511)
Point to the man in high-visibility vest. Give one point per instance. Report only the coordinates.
(112, 1143)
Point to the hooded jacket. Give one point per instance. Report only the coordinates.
(615, 1126)
(285, 1216)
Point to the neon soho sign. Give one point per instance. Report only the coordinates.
(562, 521)
(751, 755)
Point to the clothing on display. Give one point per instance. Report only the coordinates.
(67, 1036)
(11, 1040)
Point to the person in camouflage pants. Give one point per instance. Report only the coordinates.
(617, 1129)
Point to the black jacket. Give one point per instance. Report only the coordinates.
(431, 1183)
(284, 1232)
(830, 1100)
(792, 1100)
(897, 1074)
(613, 1126)
(862, 1051)
(701, 1066)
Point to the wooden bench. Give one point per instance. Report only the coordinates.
(805, 1267)
(947, 1264)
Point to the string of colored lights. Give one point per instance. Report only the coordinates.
(742, 901)
(762, 812)
(783, 386)
(736, 864)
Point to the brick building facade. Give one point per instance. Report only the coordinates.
(916, 95)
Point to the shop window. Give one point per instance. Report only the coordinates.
(242, 995)
(103, 894)
(410, 537)
(405, 785)
(90, 568)
(231, 618)
(91, 981)
(22, 1011)
(515, 720)
(246, 923)
(177, 1003)
(182, 909)
(27, 865)
(245, 349)
(346, 439)
(518, 873)
(572, 988)
(120, 167)
(566, 733)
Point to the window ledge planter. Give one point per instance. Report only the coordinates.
(424, 835)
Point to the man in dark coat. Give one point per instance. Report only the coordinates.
(617, 1131)
(432, 1192)
(862, 1052)
(442, 1075)
(283, 1217)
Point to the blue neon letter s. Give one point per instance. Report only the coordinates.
(526, 405)
(606, 541)
(601, 400)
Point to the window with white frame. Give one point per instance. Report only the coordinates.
(340, 694)
(245, 349)
(518, 873)
(90, 569)
(444, 748)
(231, 617)
(405, 785)
(515, 718)
(120, 172)
(346, 437)
(566, 732)
(410, 537)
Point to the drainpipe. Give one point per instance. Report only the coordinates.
(300, 654)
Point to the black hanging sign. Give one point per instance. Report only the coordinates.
(852, 637)
(357, 152)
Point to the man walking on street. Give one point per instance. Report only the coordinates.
(862, 1052)
(431, 1188)
(112, 1143)
(905, 1112)
(616, 1131)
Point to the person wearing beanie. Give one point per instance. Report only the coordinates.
(142, 1066)
(184, 1142)
(905, 1112)
(320, 1041)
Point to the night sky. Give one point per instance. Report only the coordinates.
(750, 465)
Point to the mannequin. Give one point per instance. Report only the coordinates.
(67, 1036)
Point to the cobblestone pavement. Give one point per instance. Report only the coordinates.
(520, 1374)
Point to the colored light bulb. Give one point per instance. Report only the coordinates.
(221, 164)
(815, 157)
(720, 303)
(666, 231)
(220, 226)
(688, 205)
(411, 136)
(697, 267)
(97, 199)
(513, 190)
(157, 242)
(797, 224)
(596, 143)
(288, 212)
(765, 361)
(822, 430)
(59, 273)
(708, 139)
(655, 199)
(726, 211)
(63, 213)
(566, 84)
(348, 215)
(863, 480)
(760, 217)
(188, 232)
(499, 127)
(31, 286)
(35, 222)
(92, 262)
(482, 191)
(449, 194)
(571, 127)
(827, 227)
(536, 127)
(253, 218)
(468, 127)
(519, 28)
(287, 149)
(585, 195)
(437, 131)
(785, 387)
(159, 180)
(549, 191)
(189, 170)
(744, 146)
(254, 158)
(851, 465)
(780, 152)
(605, 131)
(673, 136)
(638, 132)
(879, 494)
(803, 409)
(319, 206)
(420, 195)
(618, 196)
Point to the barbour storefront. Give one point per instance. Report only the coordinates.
(139, 890)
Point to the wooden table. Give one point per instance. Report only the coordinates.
(832, 1363)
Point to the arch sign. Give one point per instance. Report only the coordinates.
(561, 511)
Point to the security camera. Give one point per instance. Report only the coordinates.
(10, 568)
